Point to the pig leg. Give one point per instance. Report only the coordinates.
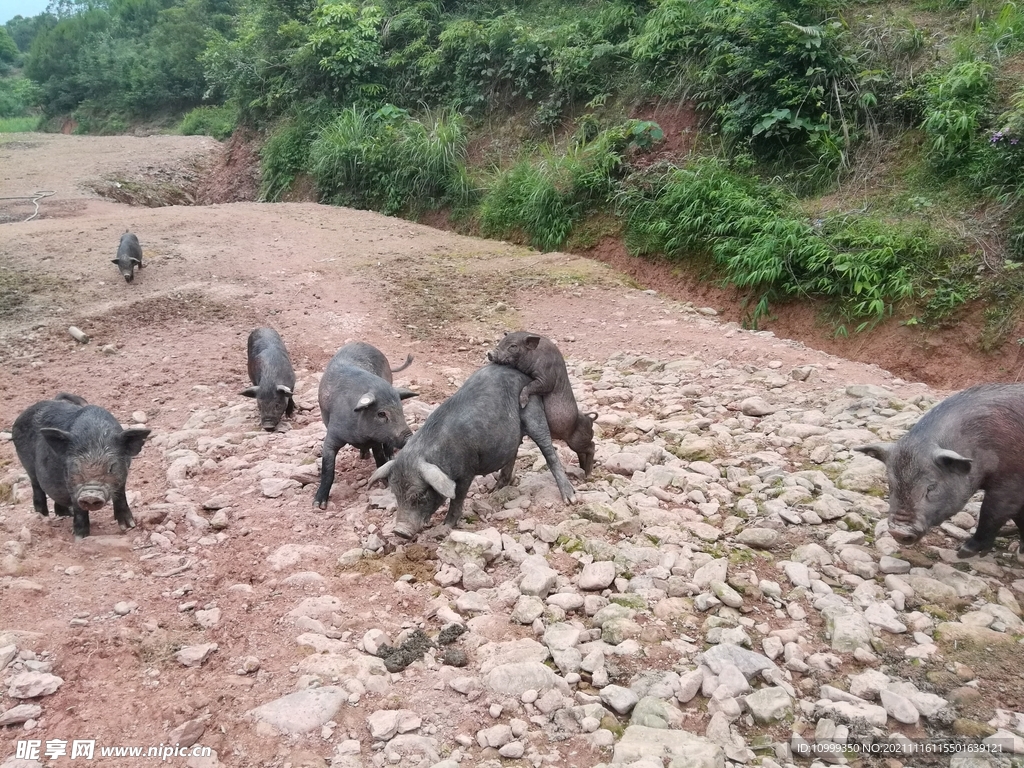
(535, 424)
(330, 454)
(505, 475)
(60, 510)
(381, 454)
(455, 505)
(80, 525)
(537, 386)
(122, 514)
(39, 503)
(990, 521)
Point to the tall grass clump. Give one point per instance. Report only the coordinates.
(218, 122)
(390, 161)
(541, 199)
(754, 237)
(18, 124)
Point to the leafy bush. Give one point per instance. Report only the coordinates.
(284, 155)
(218, 122)
(544, 198)
(956, 101)
(18, 95)
(709, 210)
(390, 161)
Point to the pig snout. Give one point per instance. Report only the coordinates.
(903, 530)
(91, 499)
(406, 532)
(268, 425)
(128, 277)
(403, 438)
(490, 357)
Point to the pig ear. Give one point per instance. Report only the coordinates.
(405, 394)
(113, 261)
(382, 472)
(952, 461)
(365, 402)
(878, 451)
(531, 341)
(133, 440)
(284, 390)
(58, 439)
(249, 392)
(437, 479)
(137, 261)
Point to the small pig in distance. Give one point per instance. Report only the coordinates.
(79, 456)
(270, 371)
(972, 441)
(361, 408)
(129, 256)
(476, 431)
(539, 358)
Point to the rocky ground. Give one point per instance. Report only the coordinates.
(724, 591)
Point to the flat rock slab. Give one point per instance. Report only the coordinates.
(302, 711)
(682, 748)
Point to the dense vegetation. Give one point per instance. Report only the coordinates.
(867, 153)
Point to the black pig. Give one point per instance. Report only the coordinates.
(78, 455)
(972, 441)
(270, 370)
(539, 358)
(476, 431)
(360, 408)
(129, 256)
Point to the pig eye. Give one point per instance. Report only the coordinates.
(112, 469)
(383, 415)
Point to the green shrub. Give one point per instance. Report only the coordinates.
(18, 95)
(218, 122)
(544, 198)
(283, 156)
(956, 101)
(865, 264)
(389, 161)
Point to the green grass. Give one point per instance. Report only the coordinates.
(18, 124)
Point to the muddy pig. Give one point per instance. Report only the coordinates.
(360, 408)
(539, 358)
(129, 256)
(970, 442)
(474, 432)
(78, 455)
(270, 370)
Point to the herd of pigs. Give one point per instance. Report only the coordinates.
(79, 455)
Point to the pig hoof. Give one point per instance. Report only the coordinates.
(971, 548)
(79, 538)
(319, 504)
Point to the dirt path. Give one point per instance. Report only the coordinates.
(173, 343)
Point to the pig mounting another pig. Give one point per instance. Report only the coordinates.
(270, 371)
(539, 358)
(972, 441)
(129, 256)
(476, 431)
(79, 456)
(361, 408)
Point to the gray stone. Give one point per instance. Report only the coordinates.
(384, 724)
(597, 575)
(20, 714)
(516, 679)
(28, 685)
(758, 538)
(302, 711)
(769, 705)
(899, 707)
(681, 748)
(621, 700)
(748, 662)
(849, 632)
(653, 712)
